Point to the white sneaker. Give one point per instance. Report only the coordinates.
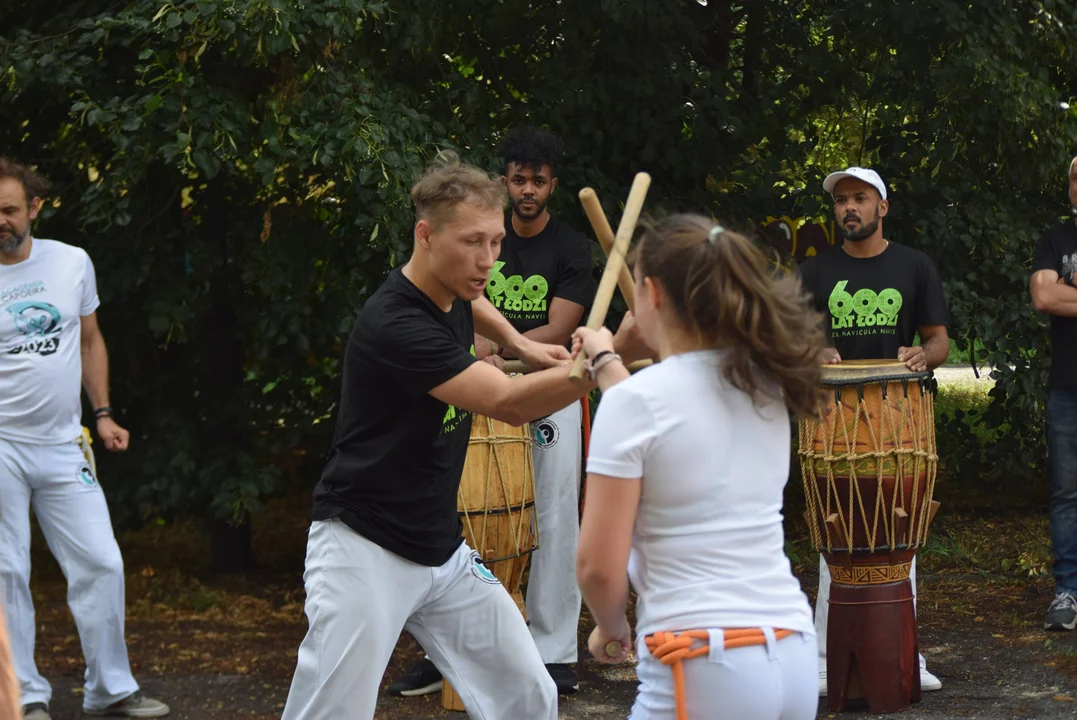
(928, 682)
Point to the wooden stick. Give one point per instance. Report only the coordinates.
(519, 367)
(633, 206)
(604, 232)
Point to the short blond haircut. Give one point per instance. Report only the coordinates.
(449, 182)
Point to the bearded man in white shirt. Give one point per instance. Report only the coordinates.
(50, 344)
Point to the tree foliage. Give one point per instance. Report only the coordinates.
(239, 171)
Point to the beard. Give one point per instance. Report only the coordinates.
(539, 208)
(863, 232)
(13, 240)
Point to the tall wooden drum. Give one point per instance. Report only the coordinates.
(869, 467)
(497, 507)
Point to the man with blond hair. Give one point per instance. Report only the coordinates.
(385, 549)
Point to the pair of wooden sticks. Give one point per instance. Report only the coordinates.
(616, 272)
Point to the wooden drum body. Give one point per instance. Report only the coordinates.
(869, 466)
(497, 507)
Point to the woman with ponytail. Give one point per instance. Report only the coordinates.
(687, 464)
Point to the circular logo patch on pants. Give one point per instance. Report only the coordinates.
(481, 571)
(546, 433)
(85, 476)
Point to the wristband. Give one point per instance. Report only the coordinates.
(601, 360)
(101, 412)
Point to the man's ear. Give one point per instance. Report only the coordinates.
(884, 207)
(553, 185)
(423, 230)
(35, 208)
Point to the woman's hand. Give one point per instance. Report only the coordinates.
(601, 643)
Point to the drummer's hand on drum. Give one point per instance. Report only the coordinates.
(914, 358)
(599, 641)
(540, 355)
(830, 356)
(592, 341)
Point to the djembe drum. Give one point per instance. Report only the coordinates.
(497, 507)
(869, 466)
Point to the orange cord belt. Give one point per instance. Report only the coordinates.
(671, 648)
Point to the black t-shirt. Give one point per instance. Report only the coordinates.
(532, 271)
(398, 453)
(873, 306)
(1057, 250)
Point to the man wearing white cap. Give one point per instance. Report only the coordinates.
(898, 296)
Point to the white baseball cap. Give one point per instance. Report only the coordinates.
(869, 176)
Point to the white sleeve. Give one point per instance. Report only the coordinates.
(89, 301)
(623, 432)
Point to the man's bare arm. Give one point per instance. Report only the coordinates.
(1051, 295)
(488, 391)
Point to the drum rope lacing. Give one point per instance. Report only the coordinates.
(492, 441)
(921, 456)
(671, 648)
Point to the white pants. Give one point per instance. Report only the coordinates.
(70, 507)
(360, 596)
(776, 681)
(822, 609)
(553, 596)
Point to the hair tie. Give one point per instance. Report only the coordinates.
(712, 236)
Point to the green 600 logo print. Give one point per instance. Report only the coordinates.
(515, 293)
(868, 308)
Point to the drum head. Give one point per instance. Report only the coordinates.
(851, 372)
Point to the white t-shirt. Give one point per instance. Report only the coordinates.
(41, 301)
(708, 543)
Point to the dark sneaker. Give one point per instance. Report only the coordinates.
(422, 679)
(36, 711)
(1062, 615)
(132, 706)
(564, 677)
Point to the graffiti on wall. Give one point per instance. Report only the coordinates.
(799, 238)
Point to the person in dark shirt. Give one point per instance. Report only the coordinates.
(385, 550)
(542, 284)
(877, 296)
(1054, 291)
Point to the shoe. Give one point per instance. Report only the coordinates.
(422, 679)
(564, 677)
(36, 711)
(133, 706)
(928, 682)
(1062, 615)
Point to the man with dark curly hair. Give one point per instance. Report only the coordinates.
(542, 283)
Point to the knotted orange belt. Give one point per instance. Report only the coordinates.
(673, 647)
